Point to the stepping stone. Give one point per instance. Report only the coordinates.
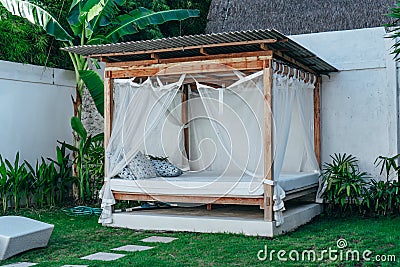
(103, 256)
(19, 234)
(20, 264)
(132, 248)
(159, 239)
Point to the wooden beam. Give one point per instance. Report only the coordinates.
(268, 157)
(154, 56)
(185, 118)
(149, 62)
(200, 199)
(293, 61)
(203, 52)
(317, 119)
(197, 67)
(108, 108)
(264, 47)
(193, 69)
(183, 48)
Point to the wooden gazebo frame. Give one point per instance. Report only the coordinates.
(244, 55)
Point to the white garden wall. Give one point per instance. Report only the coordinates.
(359, 104)
(35, 110)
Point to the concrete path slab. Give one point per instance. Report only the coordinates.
(103, 256)
(159, 239)
(20, 264)
(132, 248)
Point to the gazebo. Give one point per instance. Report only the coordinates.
(254, 95)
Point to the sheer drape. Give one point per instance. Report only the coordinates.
(227, 129)
(293, 110)
(140, 108)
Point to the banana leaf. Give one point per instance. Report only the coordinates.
(95, 85)
(140, 18)
(77, 126)
(38, 16)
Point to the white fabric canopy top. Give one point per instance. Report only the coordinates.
(226, 129)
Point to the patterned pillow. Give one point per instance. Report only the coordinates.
(141, 167)
(165, 168)
(127, 174)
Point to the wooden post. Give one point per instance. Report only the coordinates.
(185, 97)
(108, 107)
(268, 157)
(317, 120)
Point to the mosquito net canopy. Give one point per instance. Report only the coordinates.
(223, 117)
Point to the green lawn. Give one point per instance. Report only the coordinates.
(74, 237)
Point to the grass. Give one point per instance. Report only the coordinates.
(74, 237)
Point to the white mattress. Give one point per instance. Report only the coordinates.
(293, 181)
(210, 183)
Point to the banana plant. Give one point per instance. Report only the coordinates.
(81, 154)
(92, 22)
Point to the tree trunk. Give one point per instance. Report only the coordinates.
(77, 102)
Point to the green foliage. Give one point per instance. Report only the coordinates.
(89, 161)
(346, 186)
(45, 185)
(394, 29)
(5, 185)
(23, 42)
(38, 16)
(26, 43)
(91, 22)
(173, 28)
(345, 183)
(18, 177)
(95, 166)
(383, 197)
(388, 166)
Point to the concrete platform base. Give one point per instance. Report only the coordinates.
(247, 220)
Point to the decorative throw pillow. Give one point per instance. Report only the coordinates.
(141, 167)
(165, 168)
(127, 174)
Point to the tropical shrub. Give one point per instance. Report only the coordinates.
(344, 184)
(383, 197)
(4, 185)
(347, 188)
(47, 184)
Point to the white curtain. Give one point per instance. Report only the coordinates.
(227, 129)
(293, 112)
(138, 111)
